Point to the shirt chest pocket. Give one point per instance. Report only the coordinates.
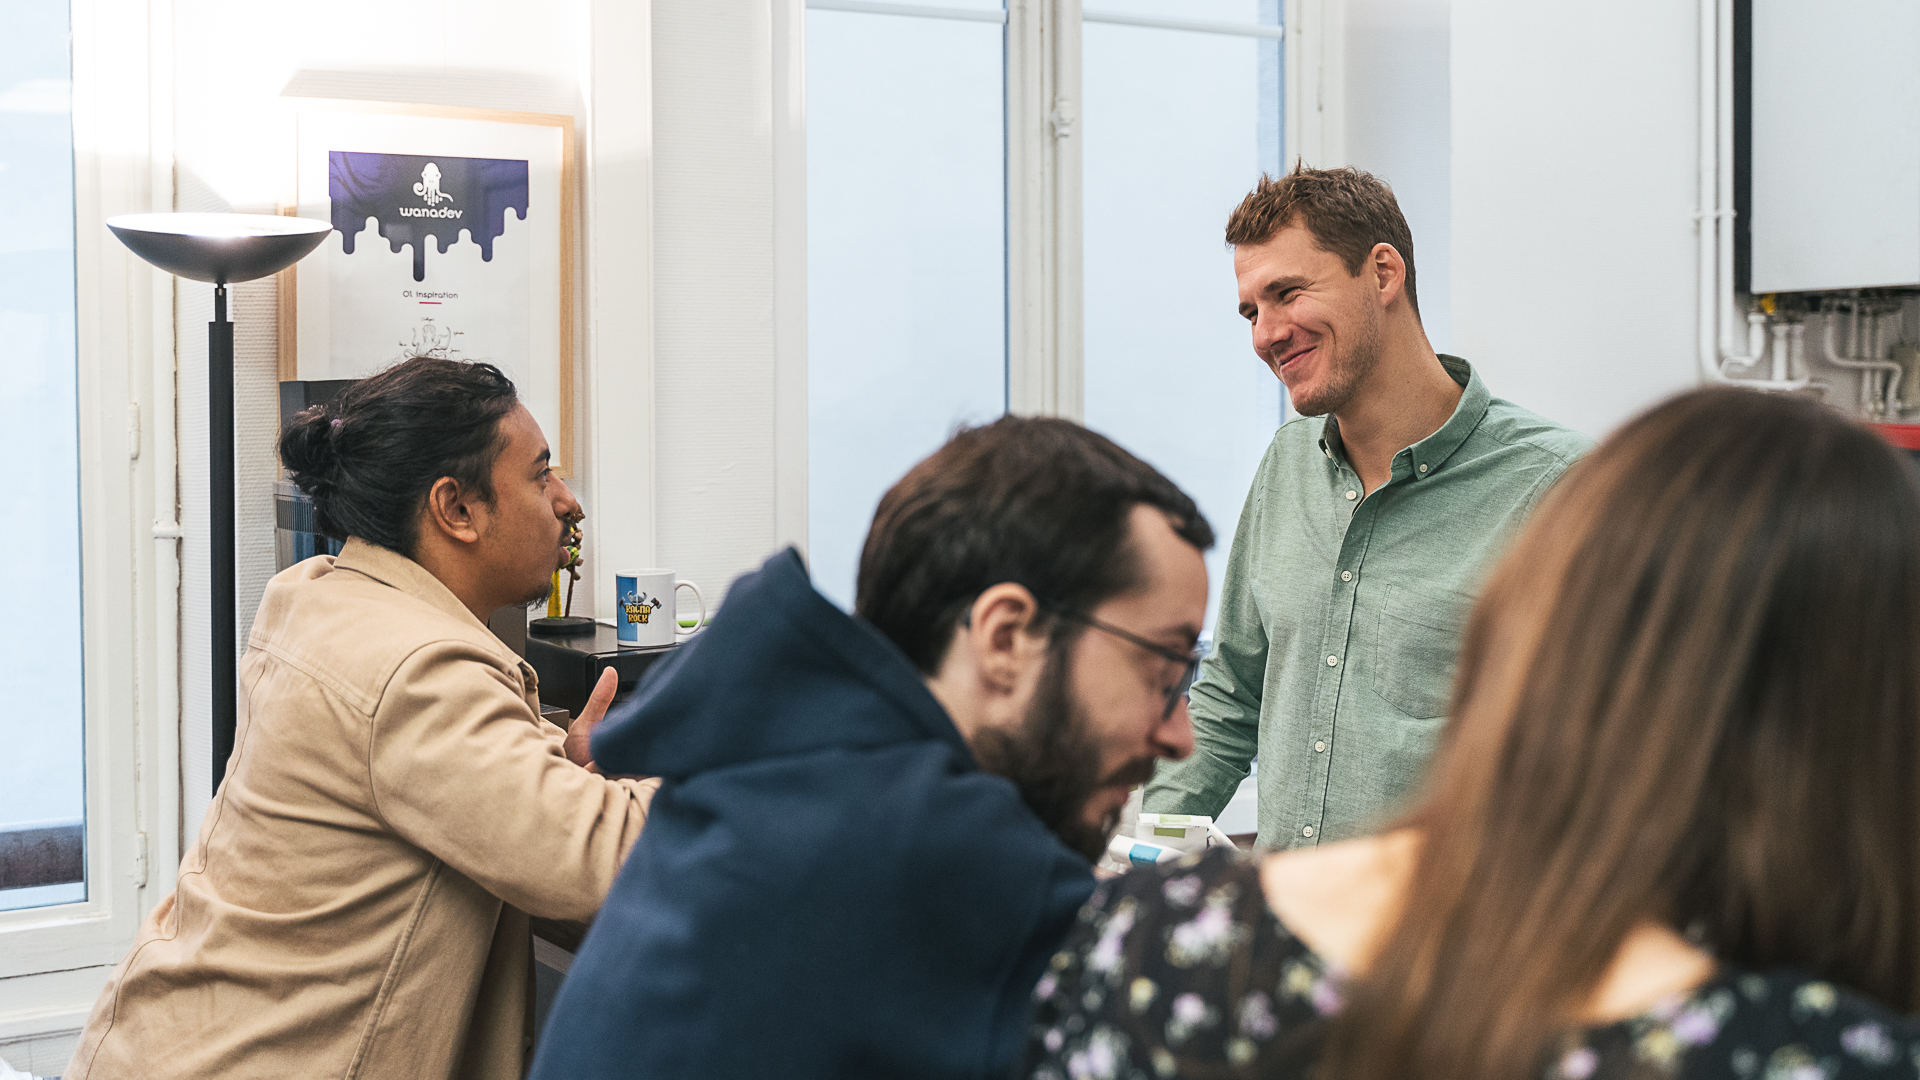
(1416, 645)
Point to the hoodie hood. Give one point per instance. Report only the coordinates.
(780, 671)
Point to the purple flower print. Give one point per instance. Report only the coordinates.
(1208, 936)
(1579, 1064)
(1696, 1026)
(1327, 998)
(1256, 1017)
(1183, 891)
(1105, 957)
(1870, 1043)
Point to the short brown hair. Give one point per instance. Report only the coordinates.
(1348, 211)
(1036, 500)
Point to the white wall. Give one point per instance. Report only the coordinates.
(714, 278)
(1398, 110)
(1573, 190)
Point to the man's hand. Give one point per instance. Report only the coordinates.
(580, 732)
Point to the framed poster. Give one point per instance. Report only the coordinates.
(453, 237)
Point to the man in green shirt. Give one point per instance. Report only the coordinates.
(1366, 533)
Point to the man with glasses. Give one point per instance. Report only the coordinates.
(874, 831)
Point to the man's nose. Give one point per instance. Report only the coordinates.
(565, 505)
(1173, 739)
(1270, 329)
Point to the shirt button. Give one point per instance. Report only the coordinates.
(1346, 575)
(1319, 746)
(1423, 467)
(1333, 661)
(1308, 831)
(1353, 494)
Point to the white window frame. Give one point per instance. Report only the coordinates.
(1044, 276)
(54, 960)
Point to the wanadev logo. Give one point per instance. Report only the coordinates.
(429, 191)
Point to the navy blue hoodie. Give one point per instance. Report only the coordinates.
(828, 885)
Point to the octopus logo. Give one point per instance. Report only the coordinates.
(429, 186)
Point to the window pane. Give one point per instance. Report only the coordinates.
(42, 782)
(906, 259)
(1179, 125)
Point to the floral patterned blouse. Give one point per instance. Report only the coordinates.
(1181, 970)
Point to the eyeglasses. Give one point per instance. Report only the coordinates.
(1189, 662)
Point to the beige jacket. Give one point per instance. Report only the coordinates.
(357, 902)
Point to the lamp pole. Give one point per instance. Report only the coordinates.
(224, 249)
(220, 526)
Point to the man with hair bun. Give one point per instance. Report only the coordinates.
(1365, 534)
(357, 903)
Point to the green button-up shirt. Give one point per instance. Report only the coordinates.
(1341, 614)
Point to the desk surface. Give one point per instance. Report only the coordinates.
(603, 641)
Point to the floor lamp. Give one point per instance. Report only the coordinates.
(224, 249)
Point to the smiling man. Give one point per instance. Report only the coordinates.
(875, 829)
(1367, 529)
(395, 809)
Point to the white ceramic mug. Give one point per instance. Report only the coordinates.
(644, 607)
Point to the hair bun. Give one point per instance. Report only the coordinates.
(306, 447)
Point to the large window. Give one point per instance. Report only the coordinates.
(1179, 124)
(998, 202)
(906, 257)
(42, 774)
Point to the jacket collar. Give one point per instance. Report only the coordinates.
(390, 568)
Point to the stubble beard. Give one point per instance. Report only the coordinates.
(536, 599)
(1346, 372)
(1054, 761)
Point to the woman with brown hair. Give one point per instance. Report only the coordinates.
(1673, 828)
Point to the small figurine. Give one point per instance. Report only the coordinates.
(560, 618)
(572, 565)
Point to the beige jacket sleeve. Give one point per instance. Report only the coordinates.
(462, 767)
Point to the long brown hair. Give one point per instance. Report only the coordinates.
(1690, 693)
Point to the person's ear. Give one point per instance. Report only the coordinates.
(1389, 272)
(452, 511)
(1006, 639)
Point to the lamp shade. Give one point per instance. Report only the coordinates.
(221, 248)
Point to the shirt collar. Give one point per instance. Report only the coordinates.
(395, 570)
(1436, 448)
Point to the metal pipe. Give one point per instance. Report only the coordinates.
(1717, 312)
(1709, 342)
(165, 829)
(1831, 355)
(1889, 402)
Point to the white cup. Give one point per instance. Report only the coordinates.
(644, 607)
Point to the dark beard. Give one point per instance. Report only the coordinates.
(1054, 761)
